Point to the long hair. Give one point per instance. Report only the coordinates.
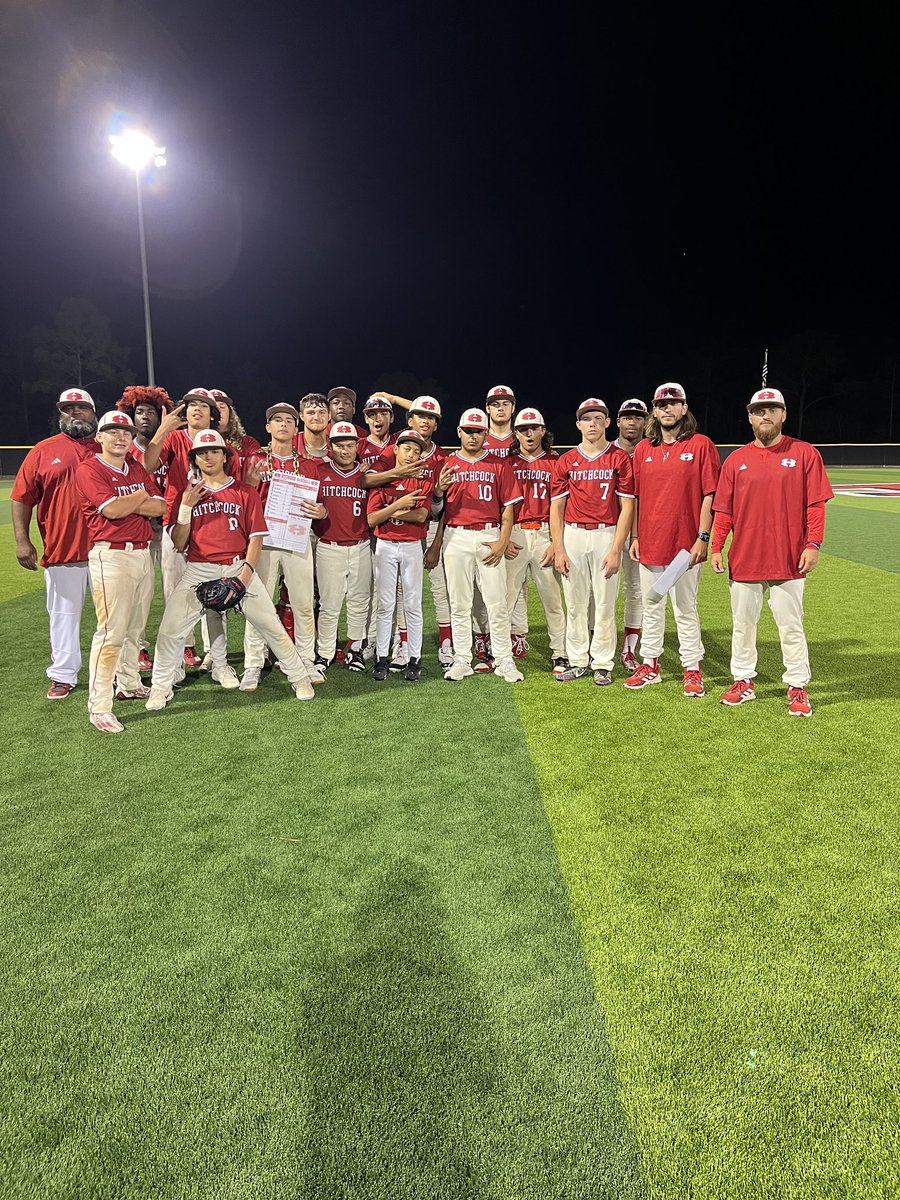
(546, 444)
(234, 432)
(653, 429)
(157, 397)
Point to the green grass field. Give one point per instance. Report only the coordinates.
(461, 941)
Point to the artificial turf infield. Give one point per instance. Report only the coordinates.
(467, 940)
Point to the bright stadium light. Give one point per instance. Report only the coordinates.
(137, 151)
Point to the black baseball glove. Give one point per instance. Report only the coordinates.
(221, 595)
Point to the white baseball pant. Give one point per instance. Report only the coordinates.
(786, 603)
(399, 568)
(633, 614)
(342, 573)
(183, 609)
(298, 575)
(155, 561)
(464, 552)
(67, 585)
(586, 581)
(122, 587)
(534, 542)
(437, 580)
(172, 565)
(683, 595)
(518, 611)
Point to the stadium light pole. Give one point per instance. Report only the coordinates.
(137, 151)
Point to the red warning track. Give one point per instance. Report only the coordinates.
(877, 490)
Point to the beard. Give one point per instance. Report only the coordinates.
(769, 435)
(77, 429)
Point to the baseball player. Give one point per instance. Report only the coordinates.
(500, 405)
(231, 428)
(146, 406)
(168, 450)
(631, 418)
(46, 482)
(480, 493)
(771, 498)
(530, 548)
(118, 498)
(297, 569)
(675, 474)
(343, 551)
(590, 519)
(312, 440)
(424, 416)
(378, 414)
(398, 512)
(219, 523)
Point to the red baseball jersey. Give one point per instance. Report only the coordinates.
(46, 483)
(535, 478)
(499, 447)
(344, 497)
(248, 447)
(268, 463)
(480, 490)
(593, 485)
(393, 530)
(174, 454)
(99, 483)
(431, 462)
(371, 450)
(766, 491)
(160, 474)
(301, 447)
(670, 481)
(223, 522)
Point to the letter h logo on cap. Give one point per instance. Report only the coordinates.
(205, 438)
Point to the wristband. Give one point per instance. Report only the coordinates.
(814, 545)
(702, 537)
(185, 512)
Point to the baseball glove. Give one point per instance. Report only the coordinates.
(221, 595)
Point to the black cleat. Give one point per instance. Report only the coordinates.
(380, 670)
(413, 671)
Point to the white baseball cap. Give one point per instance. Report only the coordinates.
(115, 419)
(198, 396)
(632, 407)
(669, 391)
(592, 404)
(209, 439)
(341, 430)
(528, 416)
(377, 404)
(427, 406)
(474, 418)
(767, 396)
(500, 392)
(75, 396)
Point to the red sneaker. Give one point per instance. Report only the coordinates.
(519, 645)
(798, 703)
(644, 676)
(741, 691)
(145, 662)
(693, 683)
(59, 691)
(191, 657)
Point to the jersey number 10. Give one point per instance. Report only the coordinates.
(485, 491)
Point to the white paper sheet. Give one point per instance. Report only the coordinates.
(288, 527)
(672, 573)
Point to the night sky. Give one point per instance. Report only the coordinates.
(585, 201)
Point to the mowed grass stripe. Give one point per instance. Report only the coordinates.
(869, 534)
(734, 878)
(256, 948)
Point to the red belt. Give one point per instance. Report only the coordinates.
(578, 525)
(326, 542)
(125, 545)
(532, 524)
(489, 525)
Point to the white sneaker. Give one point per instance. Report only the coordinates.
(507, 669)
(304, 691)
(457, 671)
(207, 663)
(445, 654)
(250, 679)
(399, 656)
(158, 700)
(368, 653)
(107, 723)
(226, 675)
(315, 675)
(139, 693)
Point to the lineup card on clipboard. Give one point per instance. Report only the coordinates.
(288, 527)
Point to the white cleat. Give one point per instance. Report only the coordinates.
(107, 723)
(315, 675)
(457, 671)
(250, 680)
(158, 700)
(304, 691)
(507, 669)
(226, 676)
(445, 654)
